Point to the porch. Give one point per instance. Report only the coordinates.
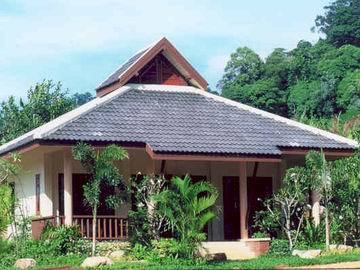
(240, 182)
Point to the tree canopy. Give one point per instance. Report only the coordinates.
(312, 81)
(341, 22)
(45, 101)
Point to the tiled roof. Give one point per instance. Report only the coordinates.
(186, 120)
(114, 77)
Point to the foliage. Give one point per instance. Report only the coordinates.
(82, 98)
(188, 208)
(312, 81)
(345, 204)
(349, 90)
(311, 236)
(259, 235)
(262, 262)
(45, 101)
(286, 208)
(146, 222)
(9, 167)
(6, 202)
(341, 23)
(103, 172)
(63, 240)
(244, 67)
(279, 247)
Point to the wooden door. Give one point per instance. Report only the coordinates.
(231, 207)
(259, 189)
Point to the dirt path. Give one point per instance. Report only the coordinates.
(344, 265)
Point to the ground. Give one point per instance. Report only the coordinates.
(351, 258)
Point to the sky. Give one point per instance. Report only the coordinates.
(81, 42)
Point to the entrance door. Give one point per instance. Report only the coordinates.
(231, 207)
(259, 189)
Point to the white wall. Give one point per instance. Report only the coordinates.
(48, 162)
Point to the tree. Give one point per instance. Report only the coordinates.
(244, 67)
(276, 67)
(341, 23)
(146, 222)
(82, 98)
(345, 204)
(103, 172)
(287, 207)
(45, 101)
(263, 94)
(188, 208)
(8, 168)
(348, 91)
(320, 179)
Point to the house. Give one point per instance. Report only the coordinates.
(156, 105)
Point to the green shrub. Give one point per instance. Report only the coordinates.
(139, 252)
(259, 235)
(279, 247)
(311, 236)
(169, 247)
(63, 240)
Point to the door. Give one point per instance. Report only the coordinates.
(259, 189)
(231, 207)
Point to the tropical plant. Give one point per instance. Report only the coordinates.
(188, 207)
(320, 179)
(8, 168)
(146, 222)
(100, 165)
(345, 203)
(64, 240)
(287, 207)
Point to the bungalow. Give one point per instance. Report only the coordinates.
(156, 105)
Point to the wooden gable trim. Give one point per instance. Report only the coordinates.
(162, 45)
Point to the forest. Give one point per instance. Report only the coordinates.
(318, 84)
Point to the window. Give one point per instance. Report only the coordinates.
(37, 193)
(61, 193)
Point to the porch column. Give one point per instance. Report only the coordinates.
(315, 208)
(68, 211)
(243, 201)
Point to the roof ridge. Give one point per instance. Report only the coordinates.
(65, 118)
(317, 131)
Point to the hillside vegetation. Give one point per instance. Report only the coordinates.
(318, 84)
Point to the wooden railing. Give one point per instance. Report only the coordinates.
(107, 227)
(38, 224)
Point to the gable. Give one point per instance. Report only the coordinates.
(159, 71)
(160, 63)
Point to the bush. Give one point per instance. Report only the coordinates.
(64, 240)
(279, 247)
(311, 236)
(139, 252)
(169, 247)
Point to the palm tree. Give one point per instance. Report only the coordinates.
(100, 165)
(188, 207)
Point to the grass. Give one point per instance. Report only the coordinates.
(263, 262)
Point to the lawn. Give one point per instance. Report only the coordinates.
(264, 262)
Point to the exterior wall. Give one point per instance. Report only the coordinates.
(48, 162)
